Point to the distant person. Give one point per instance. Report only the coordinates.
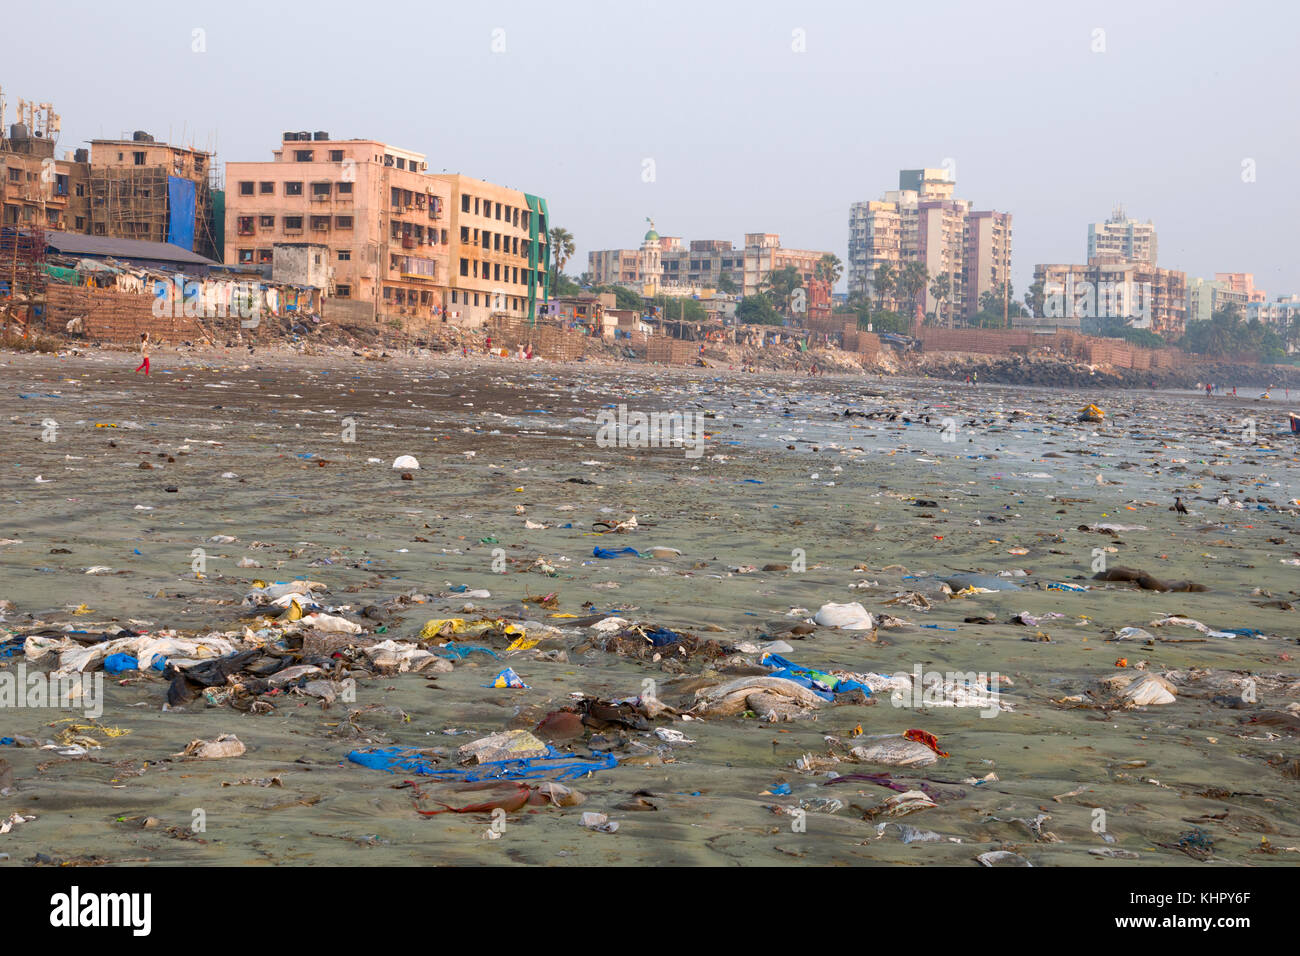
(144, 352)
(1209, 389)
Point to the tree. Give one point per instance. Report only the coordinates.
(727, 285)
(885, 279)
(780, 285)
(757, 310)
(679, 308)
(561, 248)
(829, 268)
(910, 282)
(624, 298)
(940, 290)
(1035, 298)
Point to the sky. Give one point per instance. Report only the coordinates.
(724, 117)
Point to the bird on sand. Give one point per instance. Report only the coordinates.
(1179, 506)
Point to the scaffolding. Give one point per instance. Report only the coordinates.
(131, 202)
(23, 277)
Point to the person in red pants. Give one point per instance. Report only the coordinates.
(144, 352)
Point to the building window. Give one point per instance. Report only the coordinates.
(244, 225)
(266, 222)
(344, 222)
(343, 292)
(476, 298)
(293, 223)
(498, 210)
(81, 223)
(266, 189)
(464, 203)
(264, 256)
(293, 189)
(464, 267)
(302, 155)
(320, 190)
(246, 189)
(139, 158)
(344, 189)
(320, 222)
(336, 156)
(246, 255)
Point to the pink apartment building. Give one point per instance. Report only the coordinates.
(380, 214)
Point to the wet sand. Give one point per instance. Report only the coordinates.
(493, 437)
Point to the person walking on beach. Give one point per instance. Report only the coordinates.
(144, 352)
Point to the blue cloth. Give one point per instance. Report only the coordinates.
(180, 212)
(117, 663)
(661, 636)
(461, 651)
(607, 553)
(563, 766)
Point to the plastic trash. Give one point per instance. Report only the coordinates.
(849, 617)
(406, 463)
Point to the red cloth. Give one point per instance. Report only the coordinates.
(930, 740)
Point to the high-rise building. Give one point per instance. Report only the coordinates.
(988, 257)
(923, 222)
(1122, 238)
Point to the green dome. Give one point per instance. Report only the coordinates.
(652, 235)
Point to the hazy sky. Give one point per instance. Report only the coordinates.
(746, 133)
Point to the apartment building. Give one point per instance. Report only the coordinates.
(664, 266)
(941, 248)
(875, 239)
(764, 255)
(923, 221)
(383, 219)
(1114, 288)
(1282, 313)
(499, 253)
(1243, 282)
(38, 190)
(1122, 238)
(1207, 296)
(987, 266)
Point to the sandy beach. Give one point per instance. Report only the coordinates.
(806, 492)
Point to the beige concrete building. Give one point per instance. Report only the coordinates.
(1122, 238)
(664, 266)
(383, 219)
(499, 252)
(37, 190)
(987, 257)
(1113, 288)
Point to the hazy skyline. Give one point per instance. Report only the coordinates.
(745, 132)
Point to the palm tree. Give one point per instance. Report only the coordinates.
(829, 268)
(910, 283)
(561, 250)
(940, 290)
(885, 279)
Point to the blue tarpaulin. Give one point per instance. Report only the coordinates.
(180, 203)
